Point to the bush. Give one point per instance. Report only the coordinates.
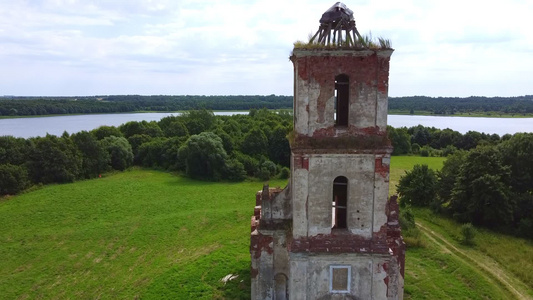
(417, 187)
(468, 233)
(251, 165)
(204, 156)
(234, 170)
(120, 152)
(285, 173)
(415, 148)
(407, 218)
(13, 179)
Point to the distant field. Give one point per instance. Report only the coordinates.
(400, 164)
(152, 235)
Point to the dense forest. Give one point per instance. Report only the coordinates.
(489, 185)
(29, 106)
(451, 106)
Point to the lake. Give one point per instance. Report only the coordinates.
(30, 127)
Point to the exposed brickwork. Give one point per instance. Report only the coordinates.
(394, 232)
(340, 241)
(349, 143)
(260, 243)
(381, 169)
(361, 70)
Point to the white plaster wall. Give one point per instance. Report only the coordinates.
(367, 275)
(299, 202)
(323, 169)
(298, 277)
(363, 108)
(306, 91)
(381, 195)
(382, 110)
(262, 285)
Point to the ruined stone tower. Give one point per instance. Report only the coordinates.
(332, 233)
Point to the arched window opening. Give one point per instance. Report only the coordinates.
(342, 99)
(340, 200)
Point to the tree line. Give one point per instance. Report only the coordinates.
(29, 106)
(431, 141)
(197, 143)
(490, 185)
(453, 105)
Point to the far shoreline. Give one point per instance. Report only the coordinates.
(493, 114)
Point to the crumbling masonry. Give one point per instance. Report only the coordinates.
(332, 233)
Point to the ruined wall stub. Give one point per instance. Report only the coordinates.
(332, 233)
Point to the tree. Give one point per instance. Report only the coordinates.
(468, 141)
(255, 143)
(14, 150)
(204, 156)
(420, 135)
(119, 151)
(517, 153)
(481, 193)
(227, 140)
(400, 140)
(13, 179)
(279, 150)
(95, 159)
(152, 153)
(418, 186)
(198, 121)
(54, 159)
(104, 131)
(176, 129)
(143, 127)
(447, 175)
(234, 170)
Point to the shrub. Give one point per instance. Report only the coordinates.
(468, 233)
(204, 156)
(407, 218)
(119, 151)
(418, 186)
(285, 173)
(235, 170)
(415, 148)
(267, 170)
(13, 179)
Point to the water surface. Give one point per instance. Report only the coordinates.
(30, 127)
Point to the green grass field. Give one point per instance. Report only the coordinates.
(153, 235)
(401, 164)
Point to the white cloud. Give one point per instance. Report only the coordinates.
(454, 48)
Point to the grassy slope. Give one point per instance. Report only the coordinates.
(435, 273)
(153, 235)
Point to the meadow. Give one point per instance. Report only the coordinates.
(155, 235)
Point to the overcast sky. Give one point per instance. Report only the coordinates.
(241, 47)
